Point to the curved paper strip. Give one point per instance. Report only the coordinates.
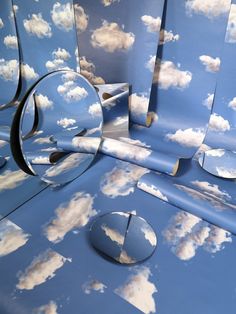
(204, 205)
(73, 107)
(119, 47)
(9, 55)
(219, 162)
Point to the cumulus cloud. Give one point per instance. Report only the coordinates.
(11, 179)
(86, 144)
(188, 137)
(124, 258)
(153, 24)
(167, 36)
(209, 8)
(71, 91)
(61, 53)
(211, 189)
(1, 23)
(121, 120)
(11, 42)
(43, 102)
(167, 75)
(187, 233)
(121, 180)
(113, 235)
(88, 70)
(81, 18)
(50, 308)
(218, 123)
(134, 142)
(139, 290)
(66, 165)
(124, 150)
(107, 3)
(149, 235)
(111, 38)
(37, 26)
(152, 190)
(42, 268)
(215, 152)
(232, 104)
(43, 140)
(150, 65)
(70, 215)
(95, 110)
(9, 70)
(211, 64)
(93, 285)
(231, 27)
(63, 16)
(208, 102)
(12, 237)
(226, 172)
(65, 122)
(28, 72)
(138, 104)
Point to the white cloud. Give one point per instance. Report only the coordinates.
(218, 124)
(43, 140)
(37, 26)
(42, 268)
(153, 24)
(1, 23)
(139, 290)
(124, 150)
(28, 72)
(81, 18)
(121, 120)
(88, 70)
(138, 104)
(224, 172)
(188, 137)
(208, 8)
(187, 233)
(215, 152)
(149, 235)
(113, 235)
(3, 143)
(107, 3)
(9, 70)
(133, 142)
(11, 179)
(121, 180)
(74, 214)
(231, 28)
(124, 258)
(86, 144)
(152, 190)
(63, 16)
(50, 308)
(168, 75)
(70, 91)
(111, 38)
(40, 160)
(208, 102)
(232, 104)
(211, 64)
(212, 199)
(211, 189)
(65, 122)
(11, 42)
(67, 164)
(150, 65)
(95, 110)
(43, 102)
(167, 36)
(12, 237)
(94, 285)
(61, 53)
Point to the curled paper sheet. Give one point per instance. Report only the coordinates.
(197, 197)
(116, 46)
(125, 151)
(9, 59)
